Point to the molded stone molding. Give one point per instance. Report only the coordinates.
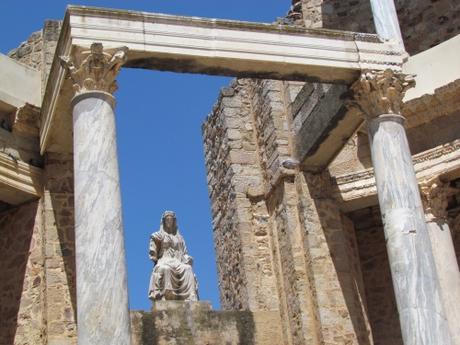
(95, 69)
(19, 182)
(356, 190)
(380, 92)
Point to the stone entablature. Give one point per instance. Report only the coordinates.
(19, 182)
(262, 50)
(357, 190)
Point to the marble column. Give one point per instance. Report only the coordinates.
(102, 295)
(434, 197)
(386, 20)
(378, 95)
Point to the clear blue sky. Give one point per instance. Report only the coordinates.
(159, 117)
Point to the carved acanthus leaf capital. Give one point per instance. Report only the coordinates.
(377, 93)
(435, 196)
(95, 69)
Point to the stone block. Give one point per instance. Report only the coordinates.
(195, 323)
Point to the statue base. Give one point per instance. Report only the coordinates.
(195, 323)
(181, 306)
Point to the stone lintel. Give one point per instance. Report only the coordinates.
(19, 182)
(217, 47)
(322, 126)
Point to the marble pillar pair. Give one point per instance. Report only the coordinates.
(378, 95)
(102, 294)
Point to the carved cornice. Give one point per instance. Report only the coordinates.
(95, 69)
(19, 181)
(426, 156)
(352, 187)
(378, 93)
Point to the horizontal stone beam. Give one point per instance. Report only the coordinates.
(322, 125)
(216, 47)
(19, 182)
(234, 48)
(19, 85)
(358, 190)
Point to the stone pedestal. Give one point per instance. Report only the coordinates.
(195, 323)
(102, 294)
(379, 96)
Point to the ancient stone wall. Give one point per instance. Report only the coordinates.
(424, 23)
(314, 260)
(194, 323)
(38, 51)
(22, 283)
(58, 256)
(30, 52)
(239, 219)
(51, 31)
(379, 293)
(336, 279)
(60, 249)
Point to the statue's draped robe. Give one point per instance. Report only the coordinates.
(172, 277)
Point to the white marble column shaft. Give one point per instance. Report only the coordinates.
(435, 196)
(102, 289)
(102, 294)
(379, 95)
(386, 20)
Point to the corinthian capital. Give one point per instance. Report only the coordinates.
(435, 198)
(95, 69)
(380, 92)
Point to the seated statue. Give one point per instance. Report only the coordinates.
(172, 277)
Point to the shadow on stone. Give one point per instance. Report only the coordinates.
(192, 323)
(16, 228)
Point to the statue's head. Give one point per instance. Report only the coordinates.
(169, 222)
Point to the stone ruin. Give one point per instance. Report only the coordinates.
(326, 224)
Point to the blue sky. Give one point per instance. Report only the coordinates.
(159, 117)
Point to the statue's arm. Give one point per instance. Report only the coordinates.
(154, 248)
(187, 258)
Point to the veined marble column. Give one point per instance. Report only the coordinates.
(434, 196)
(102, 294)
(378, 94)
(386, 20)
